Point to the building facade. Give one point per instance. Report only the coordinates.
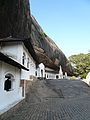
(17, 64)
(17, 50)
(40, 71)
(10, 84)
(48, 73)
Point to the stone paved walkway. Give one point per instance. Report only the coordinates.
(55, 100)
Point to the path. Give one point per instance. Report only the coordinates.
(55, 100)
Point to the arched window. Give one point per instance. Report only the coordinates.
(57, 77)
(23, 58)
(45, 76)
(8, 85)
(35, 73)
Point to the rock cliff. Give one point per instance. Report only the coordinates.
(15, 18)
(16, 21)
(46, 49)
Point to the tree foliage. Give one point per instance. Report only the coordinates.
(81, 63)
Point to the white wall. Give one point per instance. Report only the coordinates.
(7, 98)
(32, 65)
(12, 49)
(0, 72)
(41, 70)
(38, 72)
(16, 49)
(50, 73)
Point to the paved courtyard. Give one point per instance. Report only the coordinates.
(55, 100)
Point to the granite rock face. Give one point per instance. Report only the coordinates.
(16, 21)
(15, 18)
(46, 49)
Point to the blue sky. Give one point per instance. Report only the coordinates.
(67, 22)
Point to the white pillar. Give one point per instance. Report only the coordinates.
(60, 72)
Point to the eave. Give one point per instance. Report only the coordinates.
(26, 42)
(11, 61)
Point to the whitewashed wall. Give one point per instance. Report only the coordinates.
(15, 50)
(50, 74)
(0, 73)
(8, 98)
(32, 65)
(12, 49)
(38, 72)
(41, 70)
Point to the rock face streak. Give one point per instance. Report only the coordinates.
(16, 21)
(46, 50)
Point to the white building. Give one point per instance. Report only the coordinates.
(53, 74)
(40, 73)
(21, 51)
(11, 90)
(17, 64)
(60, 74)
(48, 73)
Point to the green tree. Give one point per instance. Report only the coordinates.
(81, 63)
